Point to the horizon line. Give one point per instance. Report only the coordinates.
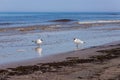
(65, 11)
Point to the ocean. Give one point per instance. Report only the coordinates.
(15, 19)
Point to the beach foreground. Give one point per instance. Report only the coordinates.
(96, 63)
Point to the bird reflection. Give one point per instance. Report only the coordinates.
(39, 50)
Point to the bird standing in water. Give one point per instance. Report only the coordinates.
(38, 42)
(78, 41)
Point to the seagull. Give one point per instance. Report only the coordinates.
(38, 42)
(78, 41)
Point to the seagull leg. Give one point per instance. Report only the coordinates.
(77, 46)
(38, 45)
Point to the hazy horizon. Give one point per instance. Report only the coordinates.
(58, 12)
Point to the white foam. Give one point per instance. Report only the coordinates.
(101, 21)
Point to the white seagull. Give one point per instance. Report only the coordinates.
(38, 42)
(78, 41)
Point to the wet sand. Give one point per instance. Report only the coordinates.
(95, 63)
(56, 27)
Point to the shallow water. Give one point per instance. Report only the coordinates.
(20, 47)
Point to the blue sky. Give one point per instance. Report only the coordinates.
(59, 5)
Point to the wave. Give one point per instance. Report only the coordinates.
(62, 20)
(6, 23)
(100, 21)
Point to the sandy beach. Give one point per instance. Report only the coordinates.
(95, 63)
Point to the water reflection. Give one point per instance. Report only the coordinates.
(39, 50)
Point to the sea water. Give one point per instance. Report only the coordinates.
(20, 47)
(15, 19)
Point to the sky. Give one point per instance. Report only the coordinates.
(59, 5)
